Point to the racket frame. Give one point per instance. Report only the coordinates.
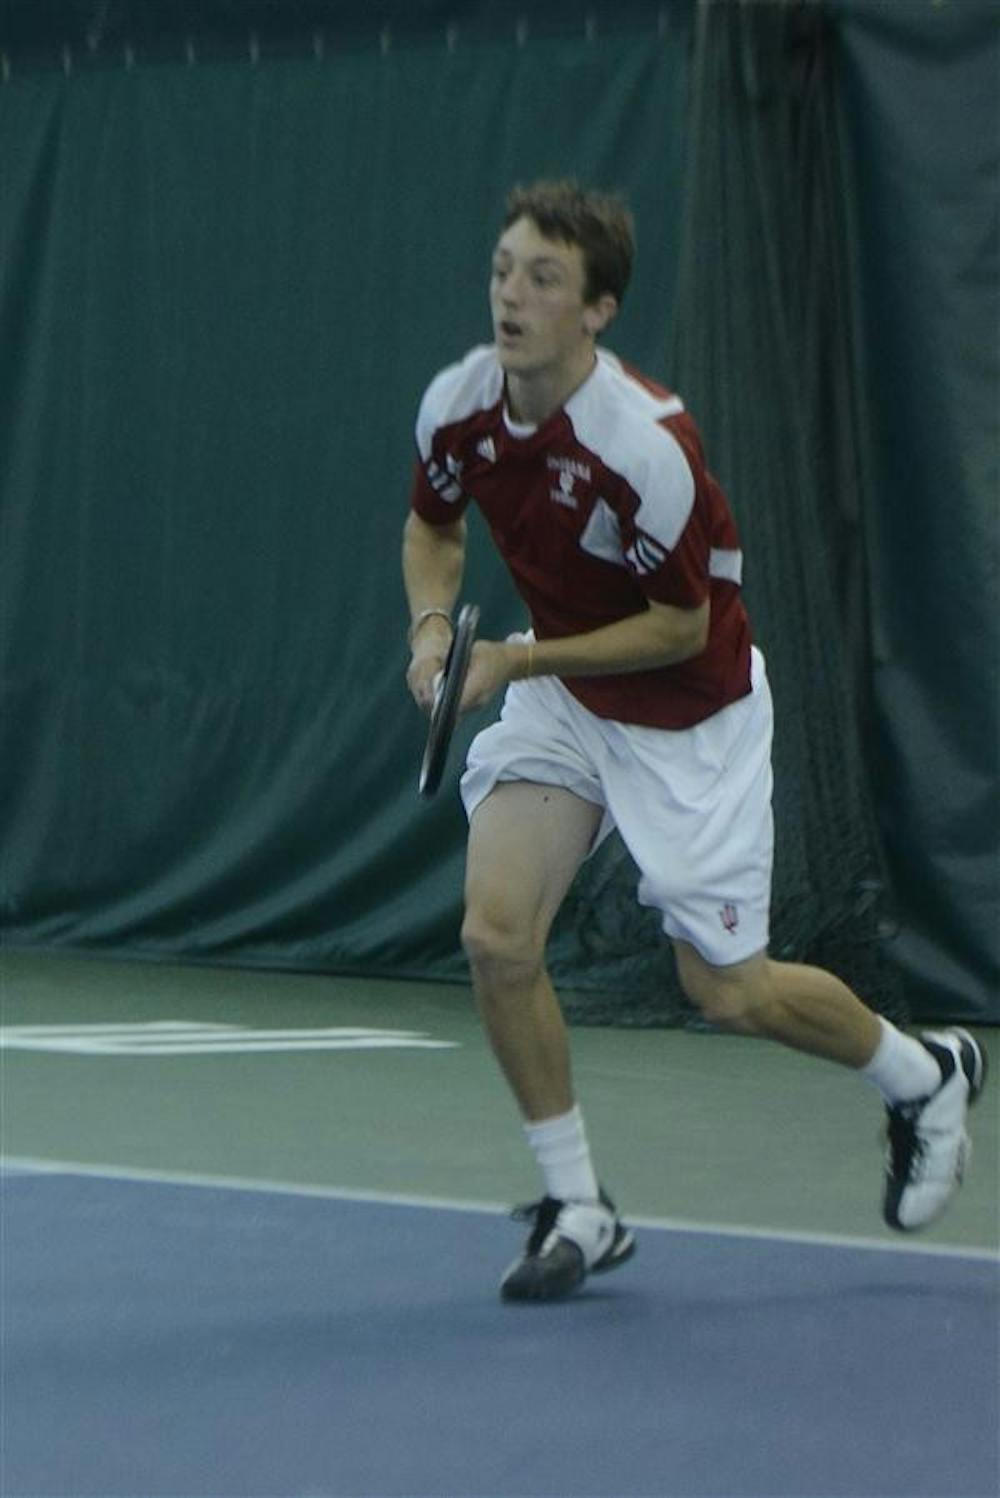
(444, 714)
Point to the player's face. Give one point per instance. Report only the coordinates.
(540, 319)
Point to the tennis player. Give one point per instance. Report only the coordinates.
(636, 701)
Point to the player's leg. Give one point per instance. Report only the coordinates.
(713, 811)
(803, 1007)
(526, 843)
(928, 1084)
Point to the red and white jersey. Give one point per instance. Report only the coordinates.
(606, 504)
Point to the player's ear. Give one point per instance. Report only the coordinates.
(597, 314)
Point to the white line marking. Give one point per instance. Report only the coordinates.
(187, 1038)
(153, 1027)
(30, 1165)
(67, 1047)
(192, 1029)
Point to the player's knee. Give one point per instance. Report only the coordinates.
(500, 950)
(724, 1006)
(729, 999)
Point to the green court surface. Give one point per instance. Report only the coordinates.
(358, 1085)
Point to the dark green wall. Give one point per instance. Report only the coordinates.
(229, 262)
(225, 286)
(921, 94)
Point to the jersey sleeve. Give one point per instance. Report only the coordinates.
(436, 492)
(427, 500)
(665, 528)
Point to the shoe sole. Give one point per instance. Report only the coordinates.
(538, 1291)
(619, 1253)
(977, 1075)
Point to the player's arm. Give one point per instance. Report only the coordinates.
(662, 635)
(433, 564)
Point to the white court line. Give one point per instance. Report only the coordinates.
(29, 1165)
(192, 1038)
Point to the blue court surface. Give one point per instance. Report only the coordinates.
(186, 1338)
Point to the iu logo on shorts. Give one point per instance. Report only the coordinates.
(729, 915)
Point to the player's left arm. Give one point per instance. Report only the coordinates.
(662, 635)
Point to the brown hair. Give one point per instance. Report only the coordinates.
(598, 222)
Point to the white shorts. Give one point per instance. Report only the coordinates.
(693, 805)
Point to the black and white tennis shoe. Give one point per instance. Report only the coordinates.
(568, 1241)
(928, 1142)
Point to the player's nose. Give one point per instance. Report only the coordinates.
(512, 290)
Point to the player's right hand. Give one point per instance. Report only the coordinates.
(422, 679)
(430, 652)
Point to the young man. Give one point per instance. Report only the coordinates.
(637, 701)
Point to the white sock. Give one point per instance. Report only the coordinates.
(902, 1069)
(560, 1147)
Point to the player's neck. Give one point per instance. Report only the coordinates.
(534, 396)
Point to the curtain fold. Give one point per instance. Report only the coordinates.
(224, 284)
(763, 356)
(223, 287)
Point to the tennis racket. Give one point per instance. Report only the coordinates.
(444, 713)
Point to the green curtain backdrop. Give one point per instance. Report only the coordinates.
(224, 288)
(763, 350)
(236, 240)
(920, 89)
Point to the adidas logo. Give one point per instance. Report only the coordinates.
(486, 448)
(645, 555)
